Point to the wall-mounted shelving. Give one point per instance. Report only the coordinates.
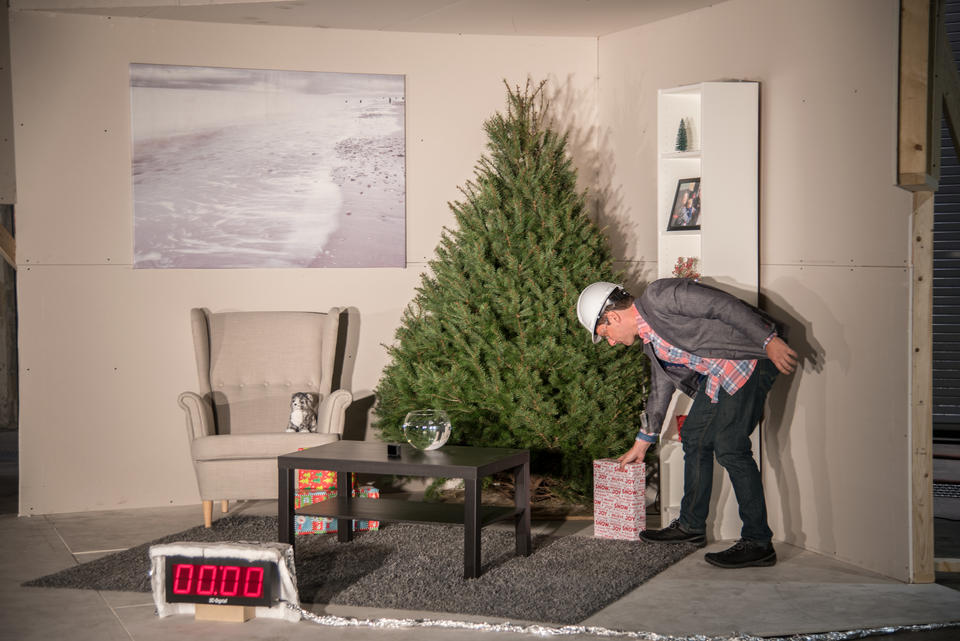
(722, 126)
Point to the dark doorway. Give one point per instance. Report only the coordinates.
(946, 337)
(9, 387)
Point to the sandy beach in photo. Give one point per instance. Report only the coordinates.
(246, 168)
(371, 228)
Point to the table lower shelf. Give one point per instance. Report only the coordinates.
(405, 511)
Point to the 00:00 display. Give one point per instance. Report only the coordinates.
(218, 580)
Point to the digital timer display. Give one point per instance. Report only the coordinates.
(220, 581)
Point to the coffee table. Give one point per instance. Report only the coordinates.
(471, 464)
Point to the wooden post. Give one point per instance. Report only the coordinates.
(914, 148)
(929, 92)
(921, 437)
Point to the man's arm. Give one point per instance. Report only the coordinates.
(658, 402)
(655, 410)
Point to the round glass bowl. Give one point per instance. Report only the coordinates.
(427, 429)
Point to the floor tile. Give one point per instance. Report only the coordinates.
(37, 614)
(121, 529)
(804, 592)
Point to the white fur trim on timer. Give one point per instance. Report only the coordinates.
(279, 553)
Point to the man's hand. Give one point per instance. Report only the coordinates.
(782, 356)
(634, 454)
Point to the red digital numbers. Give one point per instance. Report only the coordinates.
(253, 586)
(183, 578)
(218, 580)
(207, 579)
(230, 581)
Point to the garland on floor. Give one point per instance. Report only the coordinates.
(568, 630)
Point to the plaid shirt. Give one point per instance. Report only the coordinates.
(731, 375)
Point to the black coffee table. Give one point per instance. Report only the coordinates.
(468, 463)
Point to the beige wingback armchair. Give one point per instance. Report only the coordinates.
(248, 365)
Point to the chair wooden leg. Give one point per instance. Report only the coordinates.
(208, 513)
(224, 505)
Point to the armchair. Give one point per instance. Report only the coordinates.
(248, 366)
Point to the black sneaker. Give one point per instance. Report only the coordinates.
(674, 533)
(744, 554)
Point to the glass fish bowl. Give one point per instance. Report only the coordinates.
(427, 429)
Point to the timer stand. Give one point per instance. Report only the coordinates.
(228, 613)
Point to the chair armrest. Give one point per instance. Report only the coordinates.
(199, 415)
(331, 414)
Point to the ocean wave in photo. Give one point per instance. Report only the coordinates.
(257, 190)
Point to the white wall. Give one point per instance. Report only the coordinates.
(833, 243)
(104, 349)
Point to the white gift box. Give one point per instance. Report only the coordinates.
(619, 510)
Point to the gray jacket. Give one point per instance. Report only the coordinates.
(701, 320)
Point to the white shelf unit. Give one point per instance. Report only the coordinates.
(723, 132)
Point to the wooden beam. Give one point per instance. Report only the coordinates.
(921, 424)
(947, 565)
(929, 91)
(947, 84)
(8, 247)
(916, 105)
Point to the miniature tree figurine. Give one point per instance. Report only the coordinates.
(682, 136)
(492, 335)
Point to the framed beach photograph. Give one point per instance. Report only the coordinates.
(685, 213)
(259, 168)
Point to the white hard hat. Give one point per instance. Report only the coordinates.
(590, 305)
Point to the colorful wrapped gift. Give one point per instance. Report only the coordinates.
(619, 511)
(323, 525)
(317, 480)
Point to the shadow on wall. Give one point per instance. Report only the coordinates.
(357, 418)
(566, 106)
(782, 405)
(592, 155)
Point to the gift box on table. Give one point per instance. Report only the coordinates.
(619, 510)
(321, 524)
(320, 480)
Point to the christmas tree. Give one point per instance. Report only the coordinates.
(492, 335)
(681, 137)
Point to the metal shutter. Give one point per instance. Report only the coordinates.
(946, 271)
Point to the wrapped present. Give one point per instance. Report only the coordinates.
(680, 420)
(619, 511)
(322, 525)
(318, 480)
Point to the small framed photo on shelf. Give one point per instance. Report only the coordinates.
(685, 213)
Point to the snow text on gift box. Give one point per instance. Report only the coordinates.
(619, 510)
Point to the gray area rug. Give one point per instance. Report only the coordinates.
(420, 567)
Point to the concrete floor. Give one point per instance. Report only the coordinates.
(804, 592)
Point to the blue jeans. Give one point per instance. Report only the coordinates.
(723, 429)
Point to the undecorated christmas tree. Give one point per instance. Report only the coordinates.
(681, 137)
(492, 335)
